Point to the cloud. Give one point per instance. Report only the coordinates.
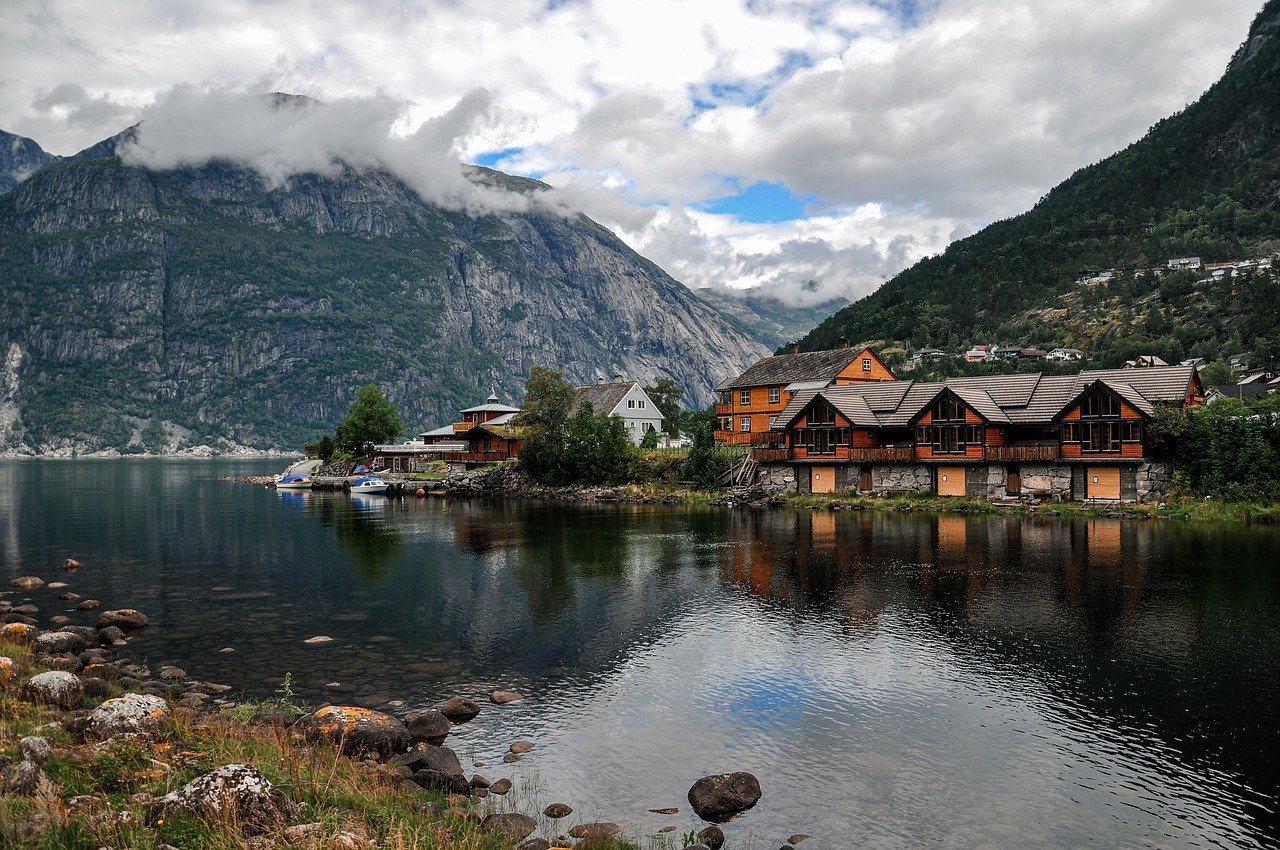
(70, 103)
(283, 137)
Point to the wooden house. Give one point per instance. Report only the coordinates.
(1081, 435)
(484, 434)
(750, 402)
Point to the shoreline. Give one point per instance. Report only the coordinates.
(386, 780)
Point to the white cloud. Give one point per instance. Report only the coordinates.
(940, 121)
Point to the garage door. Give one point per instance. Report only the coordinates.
(822, 479)
(1103, 482)
(951, 481)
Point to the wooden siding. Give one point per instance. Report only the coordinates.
(855, 374)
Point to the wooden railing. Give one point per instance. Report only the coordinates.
(472, 457)
(770, 454)
(1022, 453)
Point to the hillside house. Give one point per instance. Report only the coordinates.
(626, 400)
(1145, 361)
(1189, 263)
(1072, 436)
(751, 401)
(978, 354)
(1065, 355)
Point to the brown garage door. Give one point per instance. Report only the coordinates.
(951, 481)
(1103, 482)
(822, 479)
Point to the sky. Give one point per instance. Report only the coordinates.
(809, 148)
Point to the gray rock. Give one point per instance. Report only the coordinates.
(440, 759)
(511, 824)
(504, 697)
(557, 810)
(88, 604)
(358, 730)
(110, 636)
(171, 672)
(235, 793)
(718, 798)
(60, 642)
(430, 726)
(26, 582)
(57, 688)
(131, 713)
(36, 749)
(122, 618)
(712, 836)
(24, 779)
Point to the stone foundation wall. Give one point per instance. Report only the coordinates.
(776, 478)
(1043, 480)
(1155, 480)
(992, 482)
(900, 478)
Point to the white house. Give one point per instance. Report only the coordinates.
(626, 400)
(1065, 355)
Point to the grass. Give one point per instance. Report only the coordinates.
(342, 793)
(1185, 509)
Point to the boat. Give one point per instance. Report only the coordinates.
(293, 482)
(367, 484)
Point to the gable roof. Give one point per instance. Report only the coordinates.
(604, 397)
(783, 369)
(492, 405)
(998, 399)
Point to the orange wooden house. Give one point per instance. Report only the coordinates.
(750, 403)
(1079, 436)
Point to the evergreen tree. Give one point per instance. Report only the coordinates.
(371, 419)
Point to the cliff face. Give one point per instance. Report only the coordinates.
(20, 157)
(212, 301)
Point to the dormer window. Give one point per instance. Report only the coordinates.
(949, 432)
(866, 364)
(1101, 428)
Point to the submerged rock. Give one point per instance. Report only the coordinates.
(26, 582)
(460, 709)
(71, 565)
(122, 618)
(234, 793)
(88, 605)
(504, 697)
(557, 810)
(599, 831)
(718, 798)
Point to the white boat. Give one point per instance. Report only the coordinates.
(293, 482)
(367, 484)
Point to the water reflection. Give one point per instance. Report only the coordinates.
(895, 680)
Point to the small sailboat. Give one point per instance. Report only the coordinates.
(367, 484)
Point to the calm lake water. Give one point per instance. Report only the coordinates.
(893, 680)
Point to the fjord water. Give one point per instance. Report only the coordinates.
(894, 680)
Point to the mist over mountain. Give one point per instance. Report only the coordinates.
(242, 292)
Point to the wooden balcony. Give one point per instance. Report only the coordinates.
(472, 457)
(770, 454)
(1016, 453)
(724, 409)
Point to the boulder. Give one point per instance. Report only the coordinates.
(131, 713)
(36, 749)
(511, 825)
(357, 730)
(88, 605)
(522, 747)
(712, 836)
(57, 687)
(430, 726)
(502, 786)
(171, 672)
(8, 669)
(18, 632)
(234, 793)
(504, 697)
(598, 831)
(26, 582)
(718, 798)
(460, 709)
(95, 688)
(557, 810)
(441, 759)
(122, 618)
(533, 844)
(446, 782)
(24, 779)
(111, 636)
(71, 565)
(54, 642)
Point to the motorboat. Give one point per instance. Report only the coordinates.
(367, 484)
(293, 482)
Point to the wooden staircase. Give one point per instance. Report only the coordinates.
(741, 474)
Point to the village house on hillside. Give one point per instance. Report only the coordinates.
(1062, 437)
(750, 402)
(626, 400)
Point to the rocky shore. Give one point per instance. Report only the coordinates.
(96, 745)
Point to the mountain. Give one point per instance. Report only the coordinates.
(20, 157)
(1202, 183)
(225, 307)
(768, 319)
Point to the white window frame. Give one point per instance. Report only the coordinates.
(775, 395)
(866, 364)
(744, 396)
(745, 425)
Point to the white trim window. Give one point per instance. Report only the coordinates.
(745, 424)
(866, 364)
(774, 395)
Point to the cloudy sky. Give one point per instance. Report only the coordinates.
(735, 142)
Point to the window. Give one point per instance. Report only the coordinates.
(1100, 428)
(745, 424)
(745, 396)
(726, 397)
(641, 403)
(950, 439)
(866, 364)
(821, 413)
(1100, 404)
(774, 395)
(948, 410)
(631, 404)
(726, 424)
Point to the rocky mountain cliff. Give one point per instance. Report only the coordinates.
(20, 157)
(223, 307)
(1202, 183)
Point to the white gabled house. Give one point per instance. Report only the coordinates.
(626, 400)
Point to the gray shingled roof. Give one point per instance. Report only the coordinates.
(603, 397)
(784, 369)
(1000, 399)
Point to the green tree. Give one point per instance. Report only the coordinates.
(371, 419)
(649, 441)
(543, 420)
(153, 436)
(703, 466)
(666, 395)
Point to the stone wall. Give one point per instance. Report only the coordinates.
(1155, 480)
(776, 478)
(901, 478)
(1043, 480)
(989, 482)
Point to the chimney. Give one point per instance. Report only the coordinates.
(617, 377)
(844, 342)
(599, 380)
(794, 348)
